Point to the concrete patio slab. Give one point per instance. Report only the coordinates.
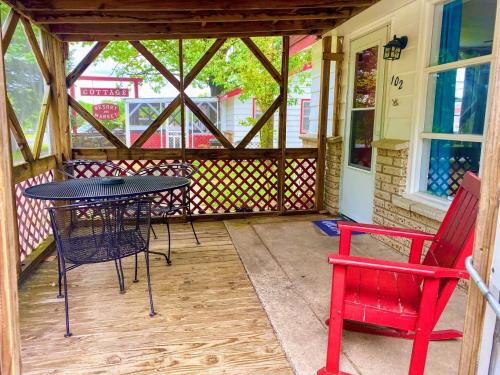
(286, 261)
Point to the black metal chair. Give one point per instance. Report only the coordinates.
(102, 231)
(80, 168)
(177, 201)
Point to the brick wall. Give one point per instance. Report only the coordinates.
(390, 208)
(332, 174)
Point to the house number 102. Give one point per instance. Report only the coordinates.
(396, 81)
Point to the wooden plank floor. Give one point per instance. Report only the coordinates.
(209, 320)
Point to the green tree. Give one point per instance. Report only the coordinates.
(25, 85)
(233, 66)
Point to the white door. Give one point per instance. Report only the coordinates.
(363, 122)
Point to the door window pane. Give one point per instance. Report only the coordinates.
(463, 29)
(360, 148)
(365, 79)
(448, 162)
(456, 100)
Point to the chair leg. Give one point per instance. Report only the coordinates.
(151, 307)
(122, 276)
(169, 262)
(135, 270)
(335, 324)
(59, 276)
(166, 256)
(192, 226)
(66, 305)
(424, 327)
(119, 275)
(153, 230)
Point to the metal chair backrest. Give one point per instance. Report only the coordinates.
(101, 231)
(91, 168)
(171, 169)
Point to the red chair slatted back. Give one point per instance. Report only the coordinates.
(454, 238)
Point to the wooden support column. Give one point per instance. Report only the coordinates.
(181, 91)
(485, 231)
(10, 341)
(54, 52)
(285, 52)
(322, 123)
(339, 58)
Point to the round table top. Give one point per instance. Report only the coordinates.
(96, 188)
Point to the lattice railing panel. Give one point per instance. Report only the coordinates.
(238, 185)
(32, 215)
(300, 184)
(235, 186)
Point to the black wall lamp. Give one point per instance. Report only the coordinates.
(392, 50)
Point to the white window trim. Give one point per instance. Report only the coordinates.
(418, 158)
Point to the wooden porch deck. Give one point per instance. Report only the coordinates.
(209, 319)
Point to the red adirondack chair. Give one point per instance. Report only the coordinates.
(402, 299)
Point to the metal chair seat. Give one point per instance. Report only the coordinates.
(102, 248)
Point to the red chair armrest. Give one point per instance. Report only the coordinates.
(400, 267)
(348, 226)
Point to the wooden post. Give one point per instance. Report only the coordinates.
(59, 116)
(322, 124)
(10, 340)
(485, 231)
(285, 52)
(338, 84)
(181, 91)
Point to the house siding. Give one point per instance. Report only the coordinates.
(399, 118)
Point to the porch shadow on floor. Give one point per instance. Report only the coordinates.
(286, 259)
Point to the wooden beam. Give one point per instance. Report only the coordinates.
(164, 115)
(338, 86)
(188, 5)
(85, 63)
(35, 48)
(182, 94)
(182, 28)
(17, 132)
(8, 29)
(10, 341)
(203, 61)
(42, 124)
(156, 63)
(337, 56)
(191, 154)
(60, 140)
(486, 227)
(263, 59)
(24, 171)
(207, 122)
(285, 55)
(95, 123)
(194, 35)
(260, 123)
(322, 124)
(72, 17)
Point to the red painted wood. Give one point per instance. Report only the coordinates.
(399, 299)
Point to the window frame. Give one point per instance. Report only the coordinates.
(419, 152)
(301, 123)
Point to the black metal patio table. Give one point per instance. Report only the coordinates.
(99, 188)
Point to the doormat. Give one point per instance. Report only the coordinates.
(329, 227)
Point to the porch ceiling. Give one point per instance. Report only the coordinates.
(99, 20)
